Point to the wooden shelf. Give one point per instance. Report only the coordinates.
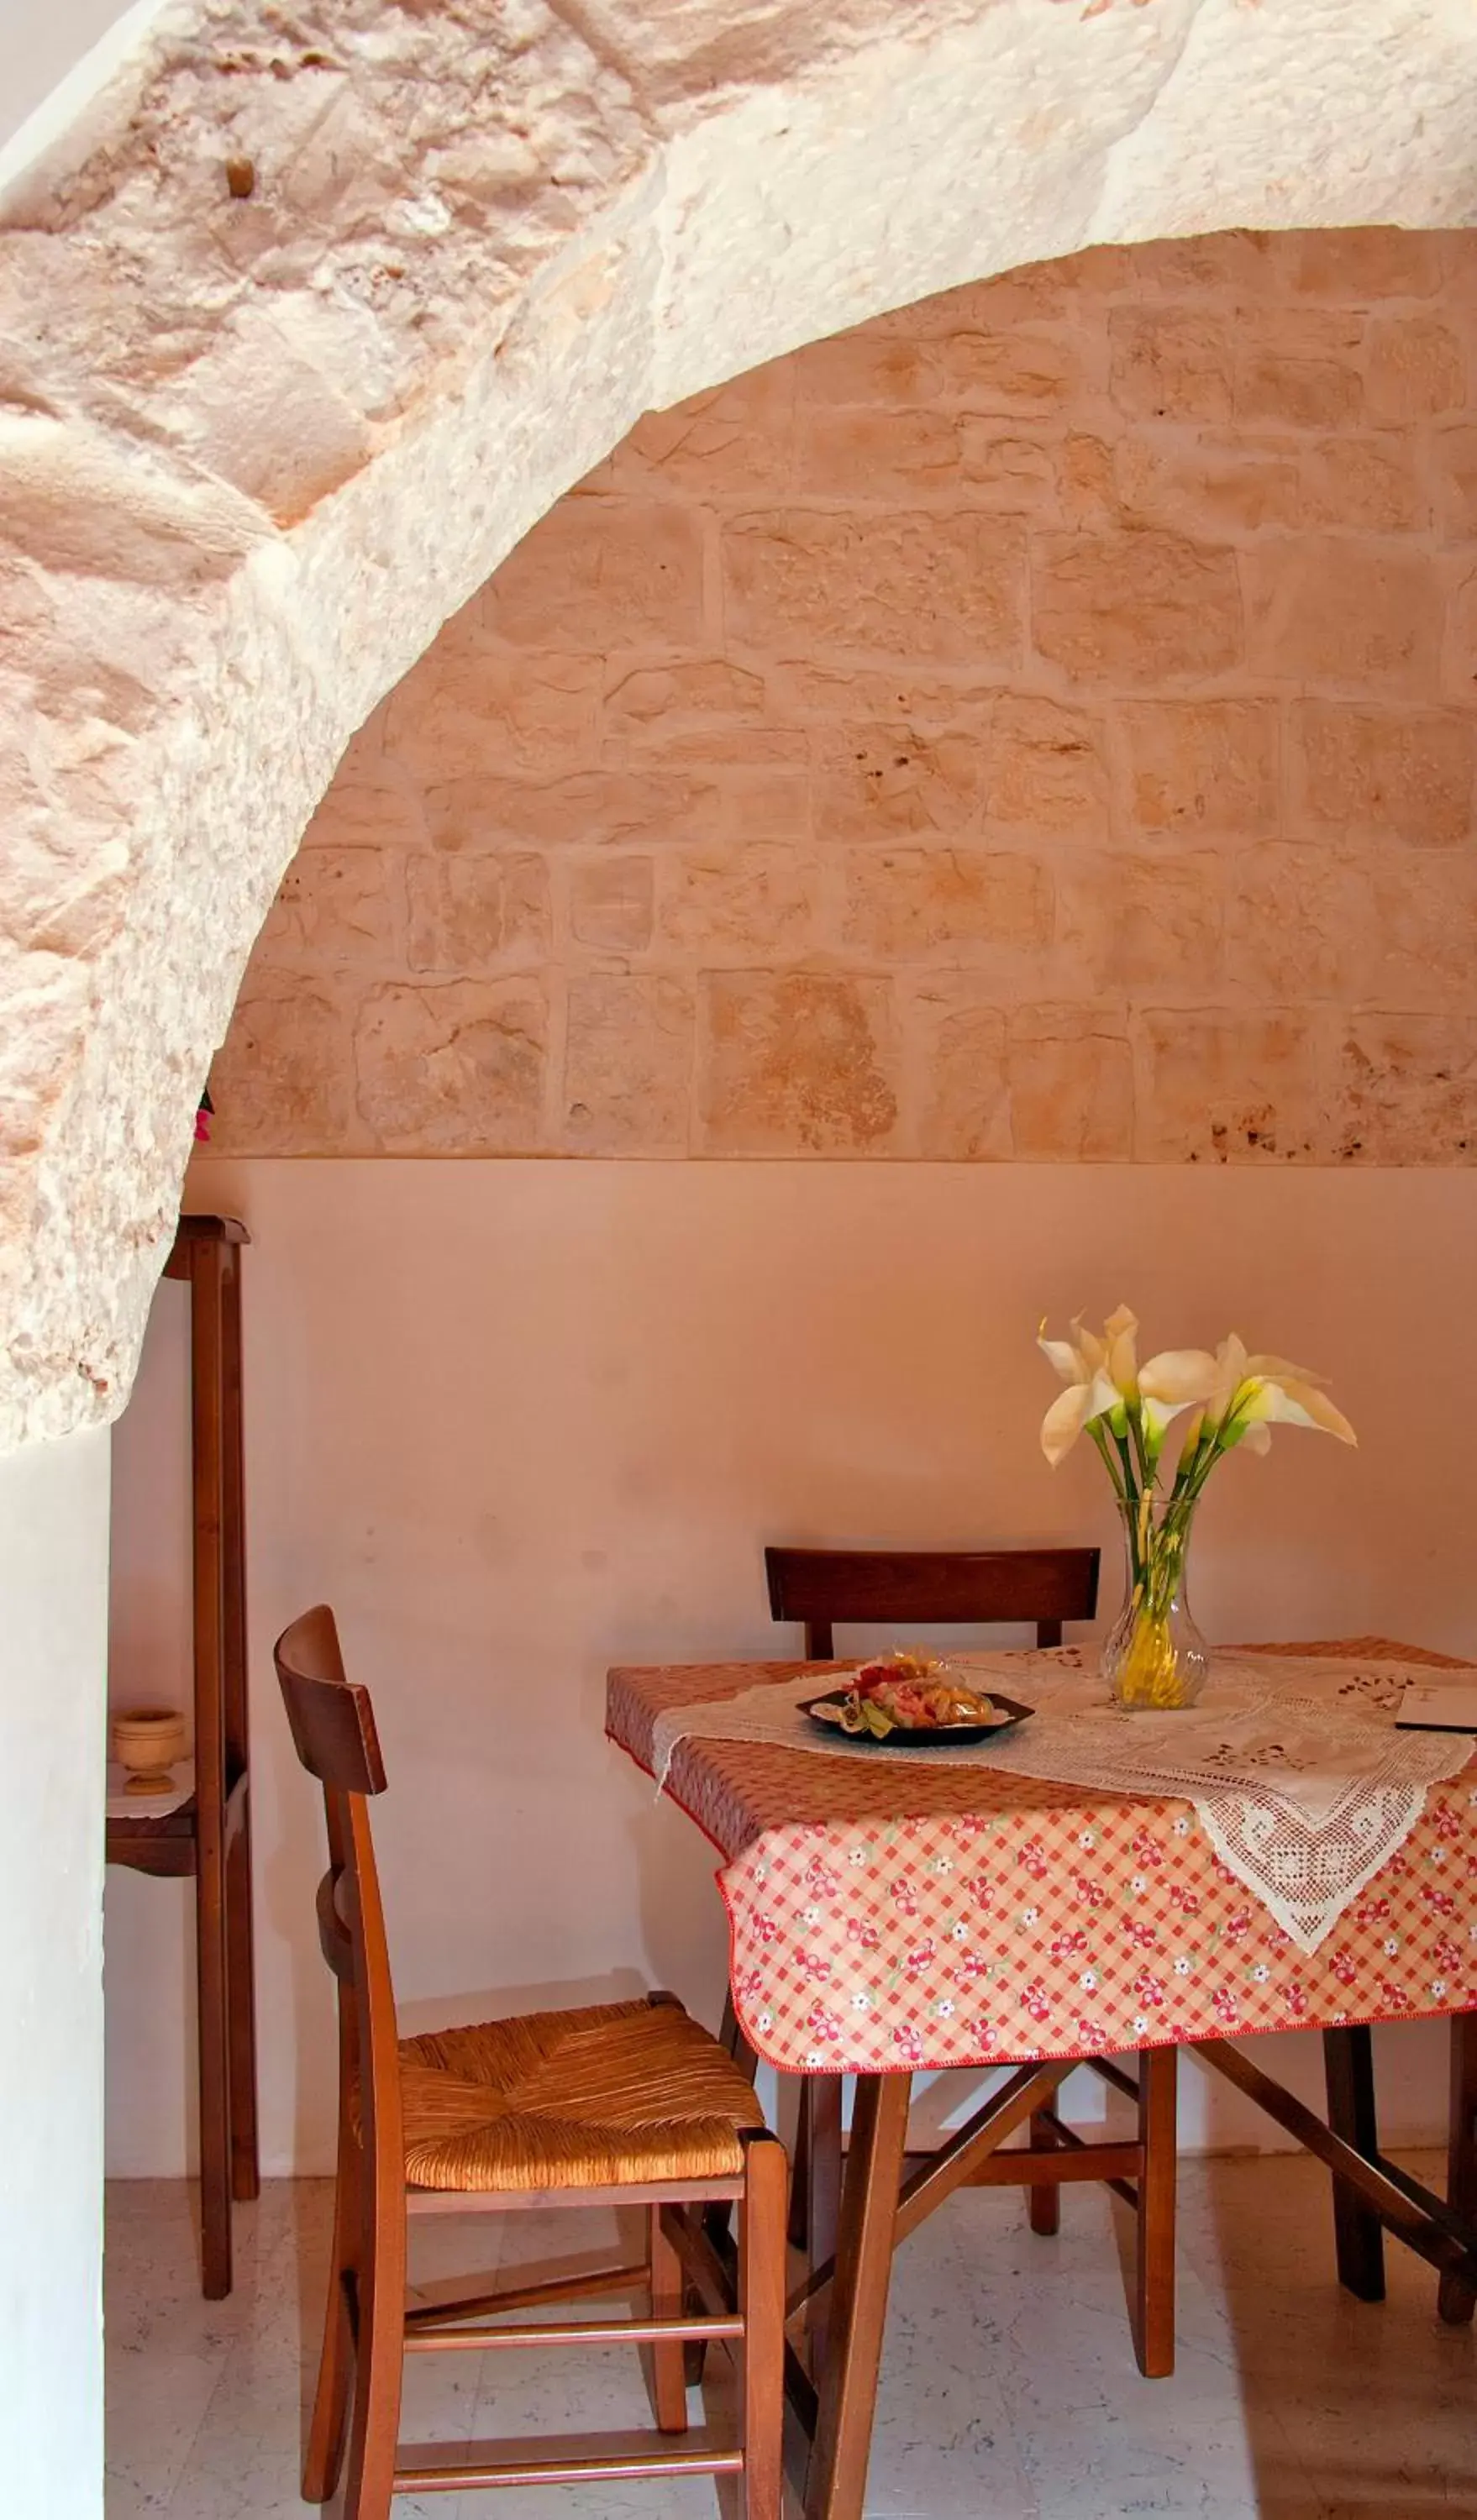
(208, 1838)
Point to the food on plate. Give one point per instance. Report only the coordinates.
(908, 1692)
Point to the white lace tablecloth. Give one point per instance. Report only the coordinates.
(1303, 1784)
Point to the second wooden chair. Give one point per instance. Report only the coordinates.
(621, 2103)
(1041, 1588)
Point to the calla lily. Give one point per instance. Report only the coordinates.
(1178, 1377)
(1253, 1392)
(1090, 1391)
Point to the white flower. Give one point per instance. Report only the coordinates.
(858, 1855)
(860, 2003)
(1090, 1392)
(1252, 1392)
(944, 2009)
(765, 2022)
(1182, 1968)
(1438, 1986)
(1089, 1981)
(959, 1933)
(1139, 2023)
(1391, 1946)
(761, 1873)
(1030, 1915)
(1088, 1837)
(1261, 1972)
(1438, 1855)
(1137, 1885)
(810, 1916)
(1182, 1828)
(813, 2057)
(943, 1863)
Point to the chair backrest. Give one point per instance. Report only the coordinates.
(333, 1725)
(930, 1588)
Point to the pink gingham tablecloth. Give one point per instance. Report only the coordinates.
(886, 1921)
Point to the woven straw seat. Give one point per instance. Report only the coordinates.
(611, 2094)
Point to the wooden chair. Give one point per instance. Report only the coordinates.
(624, 2103)
(909, 1588)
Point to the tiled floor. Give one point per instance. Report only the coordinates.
(1008, 2392)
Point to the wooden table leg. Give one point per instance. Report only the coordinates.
(837, 2481)
(241, 1976)
(1359, 2233)
(1455, 2299)
(1154, 2271)
(210, 1973)
(207, 1470)
(816, 2207)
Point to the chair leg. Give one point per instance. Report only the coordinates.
(375, 2426)
(1154, 2271)
(665, 2364)
(1045, 2202)
(761, 2279)
(322, 2461)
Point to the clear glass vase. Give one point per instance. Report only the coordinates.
(1154, 1657)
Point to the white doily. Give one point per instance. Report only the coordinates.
(1294, 1766)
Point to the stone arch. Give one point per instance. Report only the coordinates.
(312, 315)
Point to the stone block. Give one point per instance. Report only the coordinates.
(1070, 1072)
(874, 367)
(799, 1062)
(606, 807)
(1126, 922)
(856, 453)
(956, 1064)
(1416, 370)
(468, 913)
(700, 695)
(1405, 1090)
(887, 781)
(736, 439)
(1203, 483)
(467, 708)
(1422, 933)
(336, 906)
(1364, 264)
(282, 1080)
(1223, 1085)
(1323, 609)
(611, 902)
(1458, 662)
(1453, 454)
(941, 586)
(1303, 369)
(376, 806)
(1047, 772)
(1369, 483)
(1200, 768)
(1024, 369)
(728, 902)
(628, 1064)
(1009, 470)
(1172, 362)
(1383, 774)
(1299, 923)
(1135, 608)
(904, 904)
(454, 1067)
(600, 573)
(1239, 263)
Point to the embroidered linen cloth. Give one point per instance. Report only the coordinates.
(1302, 1784)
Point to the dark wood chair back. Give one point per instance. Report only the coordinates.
(930, 1588)
(333, 1725)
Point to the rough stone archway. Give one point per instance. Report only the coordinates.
(316, 311)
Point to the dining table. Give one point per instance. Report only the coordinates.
(890, 1915)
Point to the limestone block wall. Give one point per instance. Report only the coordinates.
(1038, 724)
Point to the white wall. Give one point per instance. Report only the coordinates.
(518, 1420)
(53, 1628)
(52, 57)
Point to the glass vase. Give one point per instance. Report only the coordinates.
(1154, 1658)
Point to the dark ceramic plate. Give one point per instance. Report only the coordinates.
(961, 1736)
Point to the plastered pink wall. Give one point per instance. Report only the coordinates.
(1038, 725)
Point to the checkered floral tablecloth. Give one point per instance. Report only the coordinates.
(968, 1916)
